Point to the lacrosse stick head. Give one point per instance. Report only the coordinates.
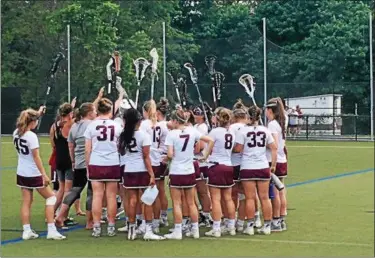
(210, 62)
(140, 65)
(247, 81)
(218, 78)
(155, 58)
(192, 72)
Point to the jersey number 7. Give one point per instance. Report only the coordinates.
(186, 138)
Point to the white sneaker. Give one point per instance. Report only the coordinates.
(123, 229)
(151, 236)
(239, 228)
(174, 235)
(213, 233)
(249, 231)
(141, 230)
(132, 233)
(193, 233)
(231, 231)
(156, 230)
(258, 222)
(31, 234)
(265, 230)
(55, 235)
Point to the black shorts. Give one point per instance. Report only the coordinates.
(80, 177)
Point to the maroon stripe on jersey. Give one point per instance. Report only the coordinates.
(236, 173)
(30, 182)
(104, 173)
(134, 180)
(254, 174)
(220, 176)
(182, 181)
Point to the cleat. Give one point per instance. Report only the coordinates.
(164, 221)
(213, 233)
(151, 236)
(28, 235)
(276, 228)
(55, 235)
(174, 235)
(132, 234)
(193, 233)
(249, 231)
(258, 222)
(96, 232)
(283, 225)
(265, 230)
(111, 231)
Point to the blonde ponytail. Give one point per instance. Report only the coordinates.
(150, 108)
(25, 118)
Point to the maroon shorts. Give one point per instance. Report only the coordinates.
(182, 181)
(122, 168)
(197, 170)
(136, 180)
(220, 176)
(30, 182)
(236, 173)
(104, 173)
(204, 172)
(158, 172)
(281, 170)
(255, 174)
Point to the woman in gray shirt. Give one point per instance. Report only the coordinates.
(76, 141)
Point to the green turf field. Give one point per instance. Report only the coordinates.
(329, 217)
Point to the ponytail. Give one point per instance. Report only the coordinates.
(150, 108)
(131, 117)
(25, 118)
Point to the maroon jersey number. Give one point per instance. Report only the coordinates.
(103, 129)
(186, 138)
(228, 141)
(256, 139)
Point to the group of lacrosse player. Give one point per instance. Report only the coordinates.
(222, 167)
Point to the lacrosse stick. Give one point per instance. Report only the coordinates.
(139, 74)
(113, 68)
(194, 79)
(210, 62)
(217, 80)
(176, 87)
(154, 67)
(181, 81)
(121, 89)
(247, 81)
(50, 80)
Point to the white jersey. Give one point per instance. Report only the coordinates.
(254, 140)
(162, 133)
(236, 157)
(183, 142)
(103, 134)
(223, 144)
(135, 152)
(120, 122)
(152, 131)
(275, 128)
(24, 145)
(203, 129)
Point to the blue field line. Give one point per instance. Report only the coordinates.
(7, 168)
(42, 234)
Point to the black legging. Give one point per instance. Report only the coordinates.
(79, 183)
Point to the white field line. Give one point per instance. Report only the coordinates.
(288, 146)
(298, 242)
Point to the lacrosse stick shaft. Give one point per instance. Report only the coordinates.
(202, 104)
(214, 97)
(152, 85)
(137, 94)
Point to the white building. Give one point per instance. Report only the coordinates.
(315, 107)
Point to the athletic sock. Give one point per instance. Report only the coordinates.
(51, 227)
(164, 213)
(231, 223)
(26, 227)
(250, 223)
(194, 226)
(148, 226)
(240, 223)
(178, 228)
(216, 225)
